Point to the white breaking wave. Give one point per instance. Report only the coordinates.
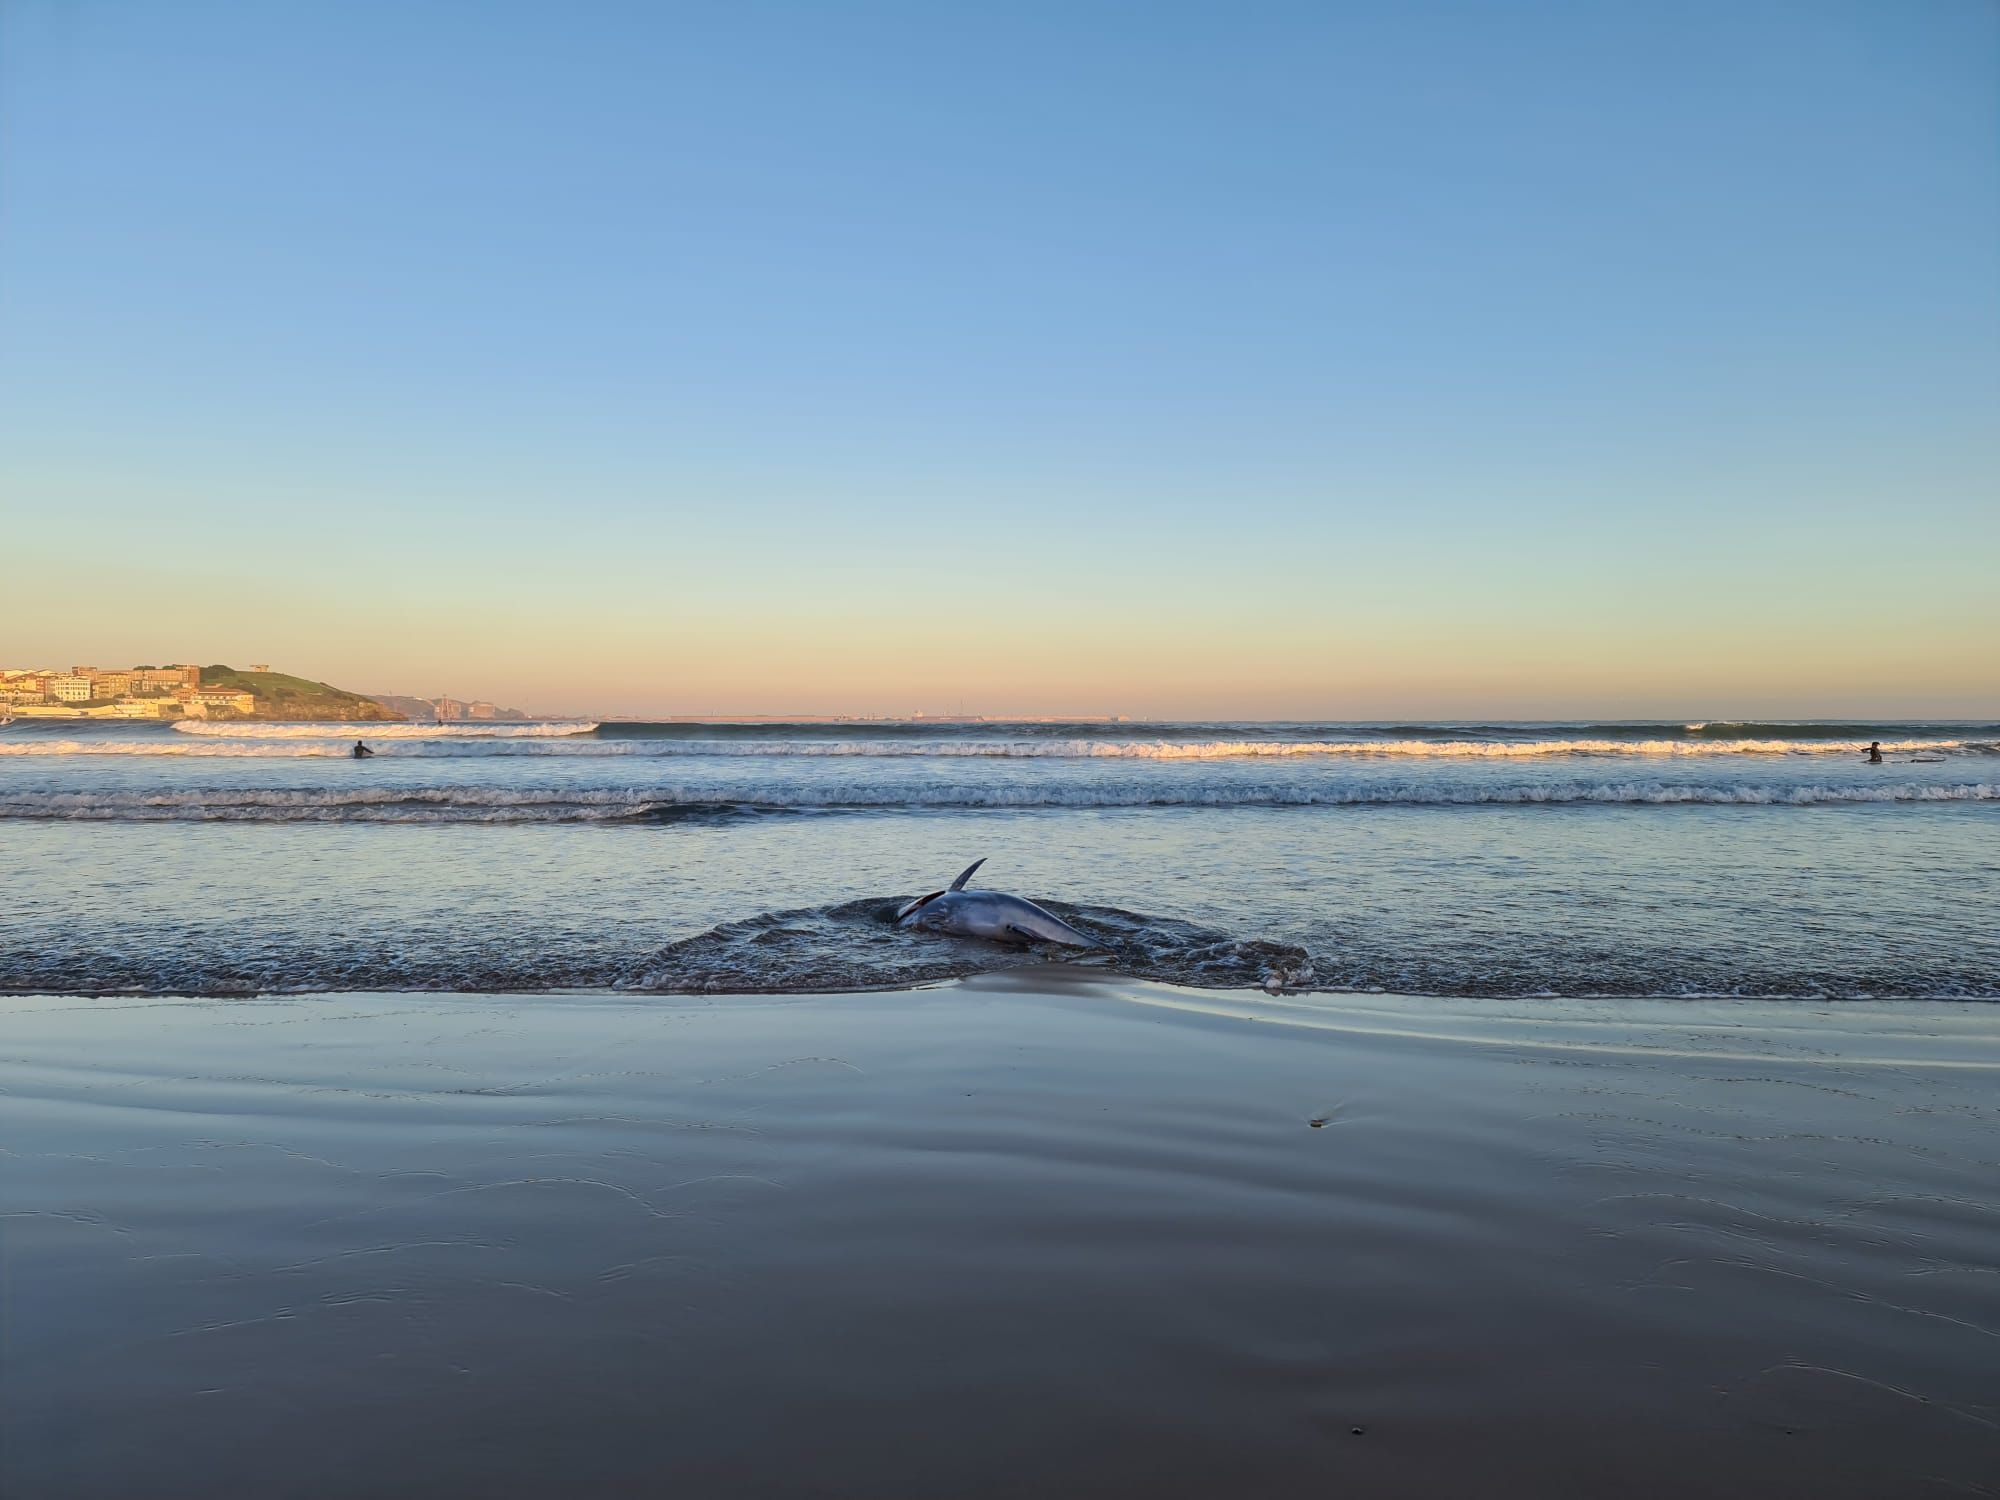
(1091, 749)
(538, 805)
(481, 729)
(411, 740)
(304, 750)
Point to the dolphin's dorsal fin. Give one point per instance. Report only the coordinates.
(959, 884)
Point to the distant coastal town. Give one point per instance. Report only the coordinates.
(186, 691)
(182, 690)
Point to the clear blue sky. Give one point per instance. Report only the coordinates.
(1258, 359)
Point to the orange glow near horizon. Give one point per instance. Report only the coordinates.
(1287, 659)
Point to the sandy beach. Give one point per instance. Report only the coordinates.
(1022, 1234)
(999, 752)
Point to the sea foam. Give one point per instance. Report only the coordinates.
(482, 729)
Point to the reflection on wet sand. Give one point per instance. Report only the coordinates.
(1019, 1234)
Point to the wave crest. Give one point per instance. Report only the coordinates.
(419, 741)
(481, 729)
(545, 805)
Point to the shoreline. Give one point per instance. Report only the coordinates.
(1250, 994)
(1040, 1230)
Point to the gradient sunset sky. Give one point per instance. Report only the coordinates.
(1246, 360)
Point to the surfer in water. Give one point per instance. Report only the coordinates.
(361, 751)
(1875, 753)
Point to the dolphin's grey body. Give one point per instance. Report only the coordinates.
(989, 914)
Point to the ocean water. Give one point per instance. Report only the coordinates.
(1659, 859)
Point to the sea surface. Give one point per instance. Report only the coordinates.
(1655, 859)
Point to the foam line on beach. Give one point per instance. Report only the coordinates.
(1674, 1038)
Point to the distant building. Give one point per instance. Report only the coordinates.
(165, 679)
(230, 698)
(260, 666)
(105, 690)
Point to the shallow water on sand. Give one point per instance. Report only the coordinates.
(1568, 860)
(1017, 1236)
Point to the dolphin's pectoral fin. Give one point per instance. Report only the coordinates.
(910, 907)
(959, 884)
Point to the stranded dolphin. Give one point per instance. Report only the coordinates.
(988, 914)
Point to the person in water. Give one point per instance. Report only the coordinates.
(1875, 753)
(361, 751)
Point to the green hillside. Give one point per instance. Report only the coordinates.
(280, 696)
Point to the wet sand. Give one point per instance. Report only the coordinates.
(1026, 1235)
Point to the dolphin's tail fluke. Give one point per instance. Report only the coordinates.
(959, 884)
